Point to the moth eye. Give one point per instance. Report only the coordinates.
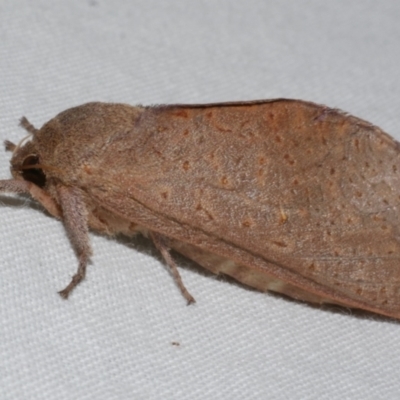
(34, 175)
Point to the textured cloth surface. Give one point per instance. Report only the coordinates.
(115, 337)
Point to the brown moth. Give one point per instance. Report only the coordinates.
(282, 195)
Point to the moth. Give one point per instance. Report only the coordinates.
(282, 195)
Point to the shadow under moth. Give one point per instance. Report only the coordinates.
(282, 195)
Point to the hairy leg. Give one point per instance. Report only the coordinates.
(75, 221)
(25, 187)
(161, 244)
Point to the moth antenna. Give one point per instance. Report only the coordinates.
(9, 146)
(20, 143)
(28, 126)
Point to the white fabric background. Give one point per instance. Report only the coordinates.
(113, 338)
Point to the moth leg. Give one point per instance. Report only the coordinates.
(160, 243)
(26, 187)
(76, 224)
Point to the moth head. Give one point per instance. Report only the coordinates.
(25, 161)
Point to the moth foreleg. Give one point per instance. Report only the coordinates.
(26, 187)
(75, 218)
(161, 244)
